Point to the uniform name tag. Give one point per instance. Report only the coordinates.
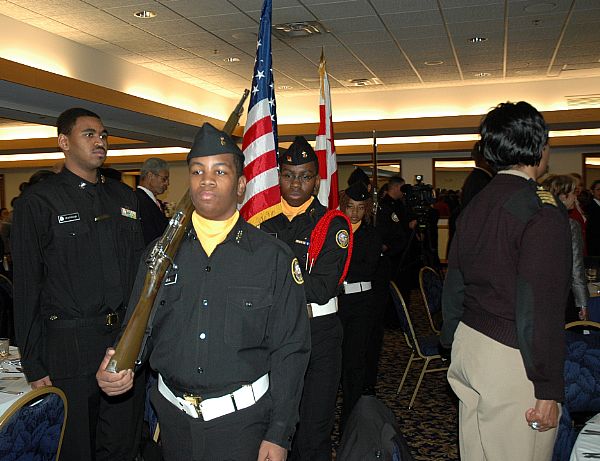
(171, 279)
(128, 213)
(69, 217)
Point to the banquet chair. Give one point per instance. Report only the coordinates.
(582, 384)
(7, 328)
(422, 347)
(431, 286)
(33, 426)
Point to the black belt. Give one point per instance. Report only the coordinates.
(110, 319)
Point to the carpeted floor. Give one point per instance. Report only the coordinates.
(431, 426)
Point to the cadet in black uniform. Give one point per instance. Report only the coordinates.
(302, 211)
(77, 242)
(230, 336)
(356, 304)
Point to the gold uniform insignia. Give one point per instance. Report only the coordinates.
(342, 238)
(222, 140)
(297, 272)
(304, 154)
(545, 196)
(395, 217)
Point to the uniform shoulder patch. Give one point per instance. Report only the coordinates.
(297, 272)
(546, 197)
(342, 238)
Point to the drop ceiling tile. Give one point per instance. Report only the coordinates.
(168, 28)
(18, 12)
(395, 6)
(316, 41)
(353, 24)
(116, 3)
(149, 43)
(196, 40)
(168, 55)
(519, 8)
(195, 8)
(412, 19)
(224, 22)
(289, 14)
(343, 9)
(368, 36)
(474, 13)
(447, 4)
(411, 33)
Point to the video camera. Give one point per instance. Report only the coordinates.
(419, 198)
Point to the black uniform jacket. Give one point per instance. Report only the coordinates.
(321, 283)
(153, 219)
(76, 247)
(224, 321)
(366, 252)
(392, 225)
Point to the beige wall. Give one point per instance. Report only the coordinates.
(561, 161)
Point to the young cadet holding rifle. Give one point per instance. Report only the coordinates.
(230, 342)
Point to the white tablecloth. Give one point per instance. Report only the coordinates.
(587, 442)
(12, 383)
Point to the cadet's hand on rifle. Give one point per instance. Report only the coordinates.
(113, 383)
(270, 451)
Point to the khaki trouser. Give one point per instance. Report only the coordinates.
(494, 393)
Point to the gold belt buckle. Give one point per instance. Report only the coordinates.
(195, 400)
(112, 319)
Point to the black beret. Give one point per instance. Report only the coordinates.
(358, 192)
(299, 153)
(210, 141)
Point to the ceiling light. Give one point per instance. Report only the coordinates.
(433, 63)
(542, 7)
(232, 59)
(299, 29)
(144, 14)
(482, 74)
(364, 81)
(284, 87)
(477, 39)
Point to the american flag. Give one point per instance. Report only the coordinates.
(324, 146)
(260, 133)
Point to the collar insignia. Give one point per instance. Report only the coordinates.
(222, 140)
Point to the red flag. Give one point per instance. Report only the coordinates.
(260, 134)
(324, 146)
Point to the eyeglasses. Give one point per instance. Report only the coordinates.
(304, 178)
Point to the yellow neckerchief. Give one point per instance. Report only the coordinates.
(211, 233)
(356, 226)
(291, 212)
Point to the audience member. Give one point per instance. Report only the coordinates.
(504, 297)
(154, 180)
(565, 188)
(593, 220)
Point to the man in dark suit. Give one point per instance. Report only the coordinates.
(154, 180)
(593, 221)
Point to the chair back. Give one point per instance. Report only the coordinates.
(406, 324)
(7, 328)
(582, 382)
(431, 285)
(33, 426)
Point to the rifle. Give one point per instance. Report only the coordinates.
(159, 261)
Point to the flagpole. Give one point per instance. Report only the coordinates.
(374, 179)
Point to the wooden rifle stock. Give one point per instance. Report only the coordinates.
(159, 261)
